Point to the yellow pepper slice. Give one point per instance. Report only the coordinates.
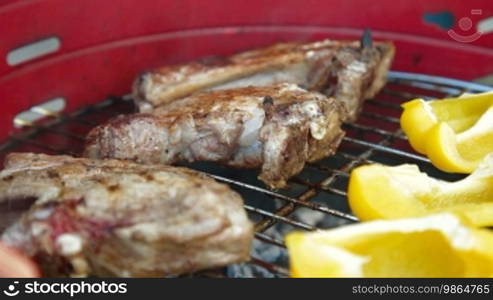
(461, 152)
(455, 133)
(383, 192)
(439, 245)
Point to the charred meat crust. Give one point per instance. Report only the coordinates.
(118, 218)
(327, 66)
(275, 128)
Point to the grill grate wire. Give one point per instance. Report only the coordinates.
(375, 138)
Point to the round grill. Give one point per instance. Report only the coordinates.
(316, 198)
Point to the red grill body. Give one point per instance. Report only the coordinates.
(105, 44)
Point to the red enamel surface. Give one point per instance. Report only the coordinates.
(105, 44)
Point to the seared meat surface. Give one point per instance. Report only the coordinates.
(349, 71)
(118, 218)
(275, 128)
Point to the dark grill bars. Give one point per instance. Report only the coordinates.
(376, 137)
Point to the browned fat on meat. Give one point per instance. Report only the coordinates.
(275, 128)
(344, 70)
(119, 218)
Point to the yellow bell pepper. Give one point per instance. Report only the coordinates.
(455, 133)
(439, 245)
(383, 192)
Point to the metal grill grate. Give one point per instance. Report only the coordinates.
(316, 197)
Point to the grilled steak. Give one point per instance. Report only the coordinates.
(118, 218)
(348, 71)
(276, 128)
